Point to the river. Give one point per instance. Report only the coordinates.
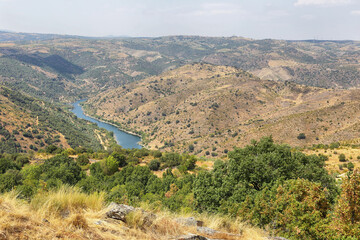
(124, 139)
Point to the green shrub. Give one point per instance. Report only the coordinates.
(301, 136)
(154, 165)
(83, 160)
(342, 157)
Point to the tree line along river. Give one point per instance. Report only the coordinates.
(124, 139)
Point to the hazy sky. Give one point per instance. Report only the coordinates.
(281, 19)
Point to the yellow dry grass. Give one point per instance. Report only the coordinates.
(332, 165)
(70, 214)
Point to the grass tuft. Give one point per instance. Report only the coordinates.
(66, 200)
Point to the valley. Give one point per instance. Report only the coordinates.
(207, 109)
(65, 68)
(29, 124)
(244, 138)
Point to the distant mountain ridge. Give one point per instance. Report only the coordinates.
(82, 67)
(9, 36)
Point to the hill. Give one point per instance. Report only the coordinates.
(30, 124)
(207, 109)
(6, 36)
(64, 69)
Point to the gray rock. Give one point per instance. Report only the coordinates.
(276, 238)
(99, 222)
(190, 221)
(206, 230)
(192, 237)
(119, 211)
(148, 218)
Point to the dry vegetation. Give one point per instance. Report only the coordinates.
(70, 214)
(333, 165)
(16, 118)
(215, 108)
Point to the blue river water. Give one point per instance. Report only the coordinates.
(124, 139)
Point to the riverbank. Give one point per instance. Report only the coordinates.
(121, 129)
(124, 138)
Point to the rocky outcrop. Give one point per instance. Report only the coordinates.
(189, 221)
(119, 211)
(191, 237)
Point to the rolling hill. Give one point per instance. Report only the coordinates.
(208, 109)
(30, 124)
(64, 68)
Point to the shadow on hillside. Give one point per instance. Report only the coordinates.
(55, 62)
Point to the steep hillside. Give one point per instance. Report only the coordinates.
(209, 109)
(67, 68)
(27, 123)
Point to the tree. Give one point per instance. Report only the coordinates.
(5, 164)
(51, 149)
(154, 165)
(83, 160)
(190, 162)
(120, 158)
(9, 180)
(342, 158)
(347, 211)
(61, 169)
(255, 167)
(191, 148)
(110, 165)
(301, 136)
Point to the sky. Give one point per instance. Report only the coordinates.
(259, 19)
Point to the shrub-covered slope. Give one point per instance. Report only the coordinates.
(65, 68)
(208, 109)
(272, 186)
(27, 123)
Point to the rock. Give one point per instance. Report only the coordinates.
(119, 211)
(190, 221)
(99, 222)
(65, 213)
(206, 230)
(192, 237)
(276, 238)
(148, 218)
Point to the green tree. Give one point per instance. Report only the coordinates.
(154, 165)
(301, 136)
(342, 158)
(347, 212)
(83, 160)
(110, 165)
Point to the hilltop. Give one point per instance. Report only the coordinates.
(206, 109)
(27, 124)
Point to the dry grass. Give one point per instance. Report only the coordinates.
(332, 165)
(178, 106)
(70, 214)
